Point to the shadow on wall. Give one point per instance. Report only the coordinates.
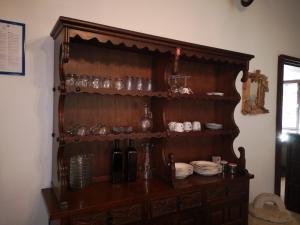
(40, 57)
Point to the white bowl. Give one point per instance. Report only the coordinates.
(183, 170)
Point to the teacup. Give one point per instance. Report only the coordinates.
(171, 126)
(185, 90)
(216, 159)
(187, 126)
(179, 127)
(196, 126)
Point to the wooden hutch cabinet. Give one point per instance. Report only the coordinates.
(85, 48)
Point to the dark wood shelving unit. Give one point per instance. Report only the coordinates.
(82, 47)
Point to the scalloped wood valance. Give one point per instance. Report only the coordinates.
(88, 31)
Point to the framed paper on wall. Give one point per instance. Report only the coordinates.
(12, 55)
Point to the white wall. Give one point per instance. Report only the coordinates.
(267, 28)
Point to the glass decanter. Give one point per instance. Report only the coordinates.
(146, 121)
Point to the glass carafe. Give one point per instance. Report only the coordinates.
(146, 121)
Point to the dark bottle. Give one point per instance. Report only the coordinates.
(131, 162)
(117, 163)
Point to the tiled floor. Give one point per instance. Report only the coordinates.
(296, 216)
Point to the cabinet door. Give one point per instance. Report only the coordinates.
(238, 189)
(229, 213)
(216, 193)
(125, 215)
(163, 206)
(217, 215)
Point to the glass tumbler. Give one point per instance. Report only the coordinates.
(96, 83)
(139, 84)
(84, 81)
(148, 85)
(129, 83)
(119, 84)
(80, 171)
(107, 82)
(70, 80)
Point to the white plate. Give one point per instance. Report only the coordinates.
(208, 173)
(215, 93)
(202, 163)
(214, 126)
(181, 177)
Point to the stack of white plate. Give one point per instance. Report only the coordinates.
(206, 168)
(183, 170)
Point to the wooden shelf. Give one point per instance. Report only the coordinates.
(160, 94)
(111, 137)
(203, 97)
(165, 134)
(203, 133)
(103, 91)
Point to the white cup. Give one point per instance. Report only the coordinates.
(171, 126)
(196, 126)
(216, 159)
(179, 127)
(187, 126)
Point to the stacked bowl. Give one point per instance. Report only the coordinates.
(183, 170)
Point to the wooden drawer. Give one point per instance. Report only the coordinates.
(190, 200)
(229, 190)
(124, 215)
(93, 218)
(163, 206)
